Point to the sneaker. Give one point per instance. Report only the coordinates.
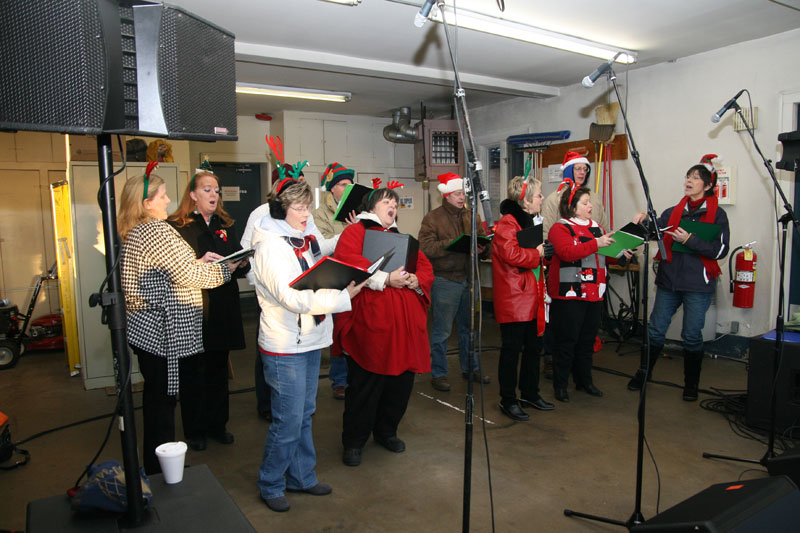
(338, 393)
(320, 489)
(279, 504)
(440, 384)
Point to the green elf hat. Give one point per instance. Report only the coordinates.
(334, 174)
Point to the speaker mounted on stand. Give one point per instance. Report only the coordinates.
(107, 66)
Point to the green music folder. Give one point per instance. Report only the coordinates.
(704, 230)
(461, 244)
(350, 201)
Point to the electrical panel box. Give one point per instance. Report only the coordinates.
(439, 149)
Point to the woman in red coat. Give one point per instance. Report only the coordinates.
(576, 282)
(385, 336)
(518, 292)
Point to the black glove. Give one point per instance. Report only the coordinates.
(549, 250)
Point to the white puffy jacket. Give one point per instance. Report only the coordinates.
(287, 322)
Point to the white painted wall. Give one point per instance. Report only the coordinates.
(669, 107)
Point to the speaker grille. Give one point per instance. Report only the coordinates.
(52, 55)
(197, 72)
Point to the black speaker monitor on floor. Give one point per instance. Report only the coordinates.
(116, 66)
(754, 505)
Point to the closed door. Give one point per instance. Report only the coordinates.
(241, 190)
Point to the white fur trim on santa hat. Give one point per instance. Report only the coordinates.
(452, 185)
(577, 158)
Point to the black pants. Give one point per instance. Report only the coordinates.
(158, 407)
(373, 403)
(575, 324)
(215, 405)
(519, 337)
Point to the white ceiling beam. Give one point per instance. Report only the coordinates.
(314, 59)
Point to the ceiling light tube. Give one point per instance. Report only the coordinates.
(344, 2)
(292, 92)
(522, 32)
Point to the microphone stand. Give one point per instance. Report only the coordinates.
(113, 303)
(789, 215)
(652, 220)
(478, 193)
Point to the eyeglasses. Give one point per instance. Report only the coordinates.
(579, 169)
(301, 209)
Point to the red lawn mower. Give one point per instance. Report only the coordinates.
(45, 332)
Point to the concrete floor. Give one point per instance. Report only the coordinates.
(581, 456)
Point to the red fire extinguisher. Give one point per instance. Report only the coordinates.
(743, 284)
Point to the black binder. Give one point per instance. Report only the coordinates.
(350, 201)
(461, 243)
(531, 237)
(330, 273)
(400, 249)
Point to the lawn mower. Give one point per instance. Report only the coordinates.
(45, 332)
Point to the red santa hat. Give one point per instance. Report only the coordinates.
(449, 183)
(570, 158)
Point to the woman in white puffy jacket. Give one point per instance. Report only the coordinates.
(294, 327)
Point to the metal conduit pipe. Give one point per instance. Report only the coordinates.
(400, 130)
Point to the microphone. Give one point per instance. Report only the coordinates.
(589, 80)
(424, 13)
(724, 109)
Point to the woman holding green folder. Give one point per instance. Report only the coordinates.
(576, 283)
(687, 275)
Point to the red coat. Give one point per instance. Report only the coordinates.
(517, 295)
(387, 331)
(577, 271)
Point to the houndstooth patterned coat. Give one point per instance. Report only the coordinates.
(162, 281)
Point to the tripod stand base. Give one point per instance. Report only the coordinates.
(730, 458)
(786, 464)
(570, 512)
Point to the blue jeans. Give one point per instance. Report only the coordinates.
(695, 305)
(449, 301)
(289, 449)
(338, 372)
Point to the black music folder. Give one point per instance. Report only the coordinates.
(350, 201)
(330, 273)
(531, 237)
(400, 249)
(461, 244)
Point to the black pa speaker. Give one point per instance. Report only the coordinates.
(760, 378)
(115, 66)
(755, 505)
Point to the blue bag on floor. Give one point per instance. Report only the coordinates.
(105, 489)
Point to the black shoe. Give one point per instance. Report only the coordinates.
(514, 412)
(320, 489)
(393, 444)
(590, 389)
(636, 382)
(539, 403)
(198, 444)
(352, 456)
(690, 393)
(561, 395)
(223, 437)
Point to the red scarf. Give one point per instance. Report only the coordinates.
(711, 266)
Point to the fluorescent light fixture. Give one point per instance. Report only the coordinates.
(292, 92)
(472, 20)
(344, 2)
